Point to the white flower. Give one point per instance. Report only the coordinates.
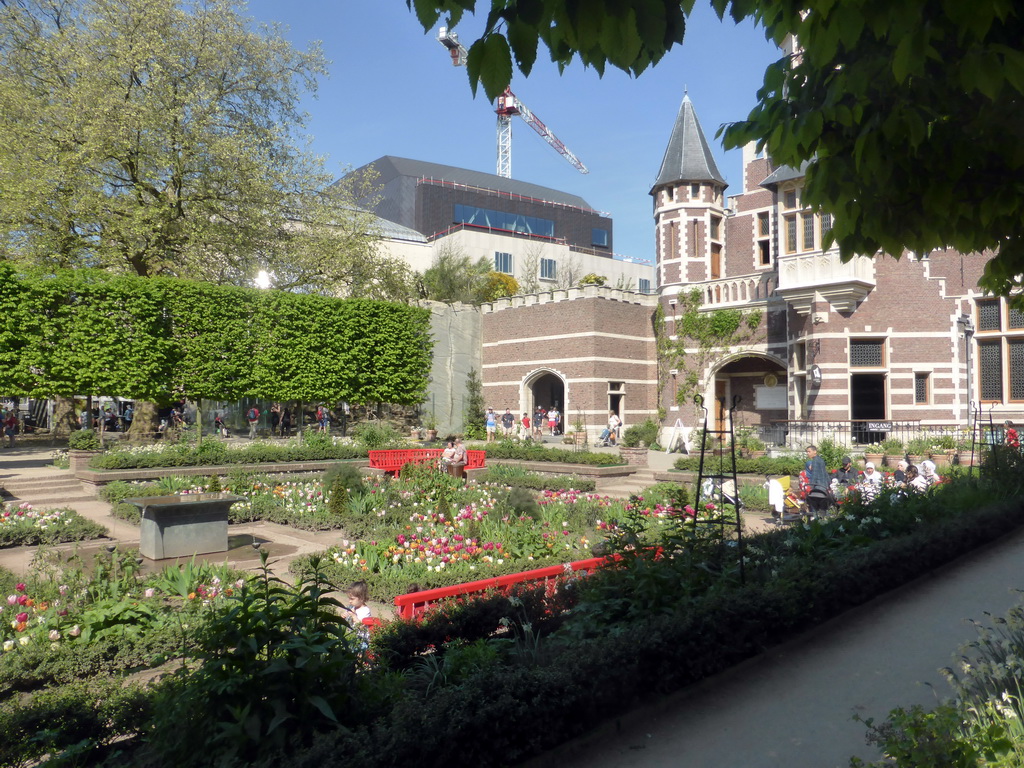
(23, 640)
(54, 635)
(75, 631)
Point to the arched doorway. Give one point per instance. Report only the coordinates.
(544, 388)
(761, 383)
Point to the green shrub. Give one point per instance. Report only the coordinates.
(782, 465)
(507, 474)
(75, 722)
(84, 440)
(524, 452)
(646, 433)
(831, 453)
(315, 448)
(376, 435)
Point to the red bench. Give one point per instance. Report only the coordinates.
(392, 461)
(415, 604)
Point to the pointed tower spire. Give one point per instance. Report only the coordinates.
(688, 157)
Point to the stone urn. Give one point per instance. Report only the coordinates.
(874, 458)
(915, 459)
(964, 458)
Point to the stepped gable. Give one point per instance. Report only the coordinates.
(688, 155)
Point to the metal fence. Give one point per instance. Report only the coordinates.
(859, 432)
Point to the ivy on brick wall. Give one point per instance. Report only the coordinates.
(86, 331)
(699, 337)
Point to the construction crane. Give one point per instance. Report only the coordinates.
(507, 106)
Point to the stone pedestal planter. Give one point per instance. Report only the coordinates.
(874, 458)
(636, 457)
(182, 526)
(79, 460)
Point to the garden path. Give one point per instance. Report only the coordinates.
(792, 707)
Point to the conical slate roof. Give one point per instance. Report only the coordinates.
(688, 157)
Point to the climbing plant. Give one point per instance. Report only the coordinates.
(699, 336)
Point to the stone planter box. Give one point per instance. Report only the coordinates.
(78, 460)
(635, 457)
(183, 526)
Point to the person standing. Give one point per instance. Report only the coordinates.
(127, 417)
(525, 434)
(553, 420)
(275, 417)
(508, 423)
(538, 422)
(286, 421)
(818, 495)
(10, 427)
(253, 417)
(491, 424)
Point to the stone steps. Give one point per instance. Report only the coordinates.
(624, 487)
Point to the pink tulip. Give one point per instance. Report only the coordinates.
(19, 587)
(21, 617)
(12, 599)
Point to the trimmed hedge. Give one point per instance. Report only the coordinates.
(524, 452)
(783, 465)
(213, 453)
(537, 482)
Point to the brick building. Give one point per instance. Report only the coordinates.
(750, 305)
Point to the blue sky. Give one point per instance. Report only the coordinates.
(393, 91)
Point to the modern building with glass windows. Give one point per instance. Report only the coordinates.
(543, 237)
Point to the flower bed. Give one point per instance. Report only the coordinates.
(485, 698)
(24, 525)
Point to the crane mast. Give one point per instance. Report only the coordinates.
(506, 107)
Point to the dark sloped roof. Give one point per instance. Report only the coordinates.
(688, 156)
(389, 167)
(785, 173)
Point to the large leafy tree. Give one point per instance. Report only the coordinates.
(161, 137)
(906, 113)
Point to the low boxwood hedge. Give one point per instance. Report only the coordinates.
(526, 452)
(214, 453)
(783, 465)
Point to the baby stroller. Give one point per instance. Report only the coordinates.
(787, 505)
(607, 439)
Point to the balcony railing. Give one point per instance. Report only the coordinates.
(844, 284)
(737, 291)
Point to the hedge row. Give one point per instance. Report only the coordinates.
(212, 452)
(783, 465)
(510, 450)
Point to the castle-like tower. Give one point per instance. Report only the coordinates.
(689, 207)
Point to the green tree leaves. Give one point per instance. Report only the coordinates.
(164, 137)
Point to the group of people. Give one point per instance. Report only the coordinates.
(526, 427)
(820, 487)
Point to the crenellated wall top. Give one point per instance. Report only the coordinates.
(572, 294)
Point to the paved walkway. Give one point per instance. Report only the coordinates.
(792, 706)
